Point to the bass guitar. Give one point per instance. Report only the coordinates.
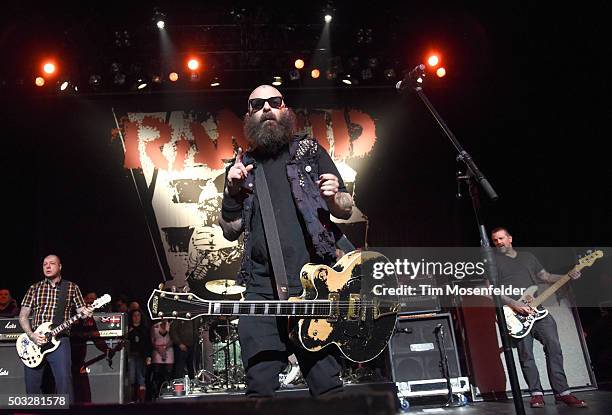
(338, 306)
(32, 354)
(519, 325)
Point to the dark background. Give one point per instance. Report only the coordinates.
(513, 96)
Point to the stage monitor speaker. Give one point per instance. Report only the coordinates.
(99, 377)
(415, 355)
(11, 370)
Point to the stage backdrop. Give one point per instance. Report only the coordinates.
(178, 160)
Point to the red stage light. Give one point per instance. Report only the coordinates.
(49, 68)
(173, 76)
(299, 63)
(441, 72)
(433, 60)
(315, 73)
(39, 81)
(193, 64)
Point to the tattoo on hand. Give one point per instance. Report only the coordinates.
(343, 200)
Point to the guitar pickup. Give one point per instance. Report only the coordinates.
(334, 307)
(354, 307)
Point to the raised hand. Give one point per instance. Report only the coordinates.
(328, 185)
(237, 174)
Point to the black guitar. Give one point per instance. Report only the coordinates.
(338, 306)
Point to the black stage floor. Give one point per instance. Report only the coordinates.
(371, 403)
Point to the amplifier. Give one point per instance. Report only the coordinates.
(419, 302)
(104, 325)
(10, 329)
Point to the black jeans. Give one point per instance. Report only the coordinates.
(265, 345)
(545, 331)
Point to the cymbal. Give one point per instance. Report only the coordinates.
(224, 287)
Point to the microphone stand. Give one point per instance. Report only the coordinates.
(474, 175)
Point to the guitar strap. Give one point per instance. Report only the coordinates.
(60, 303)
(271, 233)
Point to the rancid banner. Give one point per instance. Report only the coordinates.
(182, 156)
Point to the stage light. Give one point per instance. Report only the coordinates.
(193, 64)
(49, 68)
(39, 81)
(433, 60)
(299, 63)
(328, 12)
(173, 76)
(95, 80)
(441, 72)
(161, 24)
(294, 74)
(347, 80)
(366, 74)
(64, 85)
(141, 84)
(215, 82)
(119, 78)
(277, 81)
(315, 73)
(328, 18)
(389, 73)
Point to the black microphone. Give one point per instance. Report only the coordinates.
(411, 76)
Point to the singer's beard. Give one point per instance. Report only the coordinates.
(269, 138)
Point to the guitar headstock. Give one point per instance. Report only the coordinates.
(105, 299)
(176, 305)
(588, 259)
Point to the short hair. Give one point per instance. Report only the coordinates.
(499, 229)
(59, 260)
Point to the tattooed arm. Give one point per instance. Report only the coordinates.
(340, 204)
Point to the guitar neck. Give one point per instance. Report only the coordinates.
(67, 323)
(553, 288)
(312, 308)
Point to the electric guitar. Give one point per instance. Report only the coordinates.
(338, 306)
(32, 354)
(519, 325)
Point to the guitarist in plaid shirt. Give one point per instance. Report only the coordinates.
(51, 299)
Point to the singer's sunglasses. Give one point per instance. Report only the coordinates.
(258, 103)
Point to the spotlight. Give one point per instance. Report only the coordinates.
(94, 80)
(347, 80)
(64, 85)
(389, 73)
(161, 24)
(433, 60)
(193, 64)
(299, 63)
(277, 81)
(159, 19)
(328, 12)
(215, 82)
(141, 84)
(315, 73)
(441, 72)
(39, 81)
(173, 76)
(49, 68)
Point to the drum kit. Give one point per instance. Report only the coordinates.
(222, 367)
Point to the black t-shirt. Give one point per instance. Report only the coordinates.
(295, 241)
(519, 272)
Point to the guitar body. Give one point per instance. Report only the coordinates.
(361, 333)
(30, 353)
(520, 325)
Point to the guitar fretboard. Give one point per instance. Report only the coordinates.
(315, 308)
(57, 330)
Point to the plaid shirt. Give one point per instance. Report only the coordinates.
(42, 298)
